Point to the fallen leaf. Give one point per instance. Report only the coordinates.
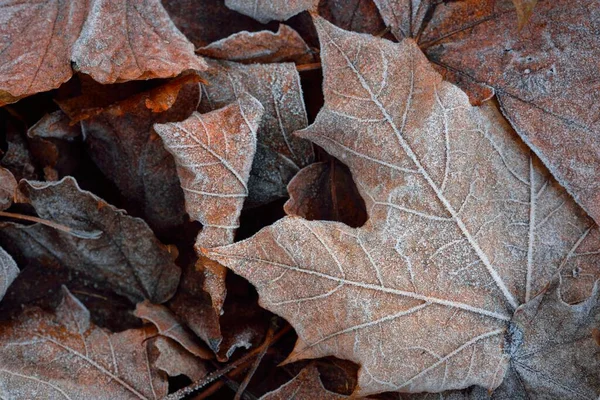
(55, 125)
(280, 154)
(545, 77)
(326, 191)
(214, 153)
(111, 40)
(17, 158)
(169, 327)
(245, 47)
(305, 386)
(464, 226)
(8, 186)
(126, 256)
(404, 17)
(524, 10)
(269, 10)
(63, 355)
(8, 271)
(353, 15)
(174, 360)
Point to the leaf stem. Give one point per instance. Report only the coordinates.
(62, 228)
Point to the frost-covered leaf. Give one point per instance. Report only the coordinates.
(305, 386)
(545, 77)
(353, 15)
(8, 185)
(326, 191)
(404, 17)
(464, 226)
(269, 10)
(8, 271)
(175, 360)
(280, 154)
(168, 326)
(111, 40)
(126, 256)
(214, 153)
(286, 45)
(64, 356)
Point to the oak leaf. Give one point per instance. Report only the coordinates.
(269, 10)
(280, 154)
(286, 45)
(126, 256)
(540, 80)
(111, 40)
(305, 386)
(63, 355)
(8, 271)
(464, 226)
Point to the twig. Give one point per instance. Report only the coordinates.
(188, 390)
(63, 228)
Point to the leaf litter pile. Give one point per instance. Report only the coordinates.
(229, 199)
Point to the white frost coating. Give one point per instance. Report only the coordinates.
(8, 271)
(268, 10)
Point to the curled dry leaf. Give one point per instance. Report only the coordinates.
(464, 226)
(261, 47)
(543, 76)
(280, 154)
(111, 40)
(8, 186)
(126, 256)
(8, 271)
(214, 153)
(269, 10)
(326, 191)
(404, 17)
(174, 360)
(305, 386)
(63, 355)
(168, 326)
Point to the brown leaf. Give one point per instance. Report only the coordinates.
(464, 226)
(305, 386)
(280, 154)
(111, 40)
(404, 17)
(353, 15)
(214, 154)
(269, 10)
(175, 360)
(543, 75)
(8, 186)
(126, 256)
(17, 158)
(326, 191)
(63, 355)
(169, 327)
(8, 271)
(261, 47)
(524, 10)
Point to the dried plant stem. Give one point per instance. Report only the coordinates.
(62, 228)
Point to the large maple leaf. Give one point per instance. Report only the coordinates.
(464, 225)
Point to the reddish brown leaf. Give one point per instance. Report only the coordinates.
(464, 226)
(404, 17)
(111, 40)
(261, 47)
(8, 271)
(269, 10)
(8, 186)
(175, 360)
(280, 154)
(126, 256)
(63, 355)
(305, 386)
(326, 191)
(545, 77)
(168, 326)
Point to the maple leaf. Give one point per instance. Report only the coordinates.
(41, 351)
(269, 10)
(279, 154)
(286, 45)
(126, 256)
(540, 82)
(8, 185)
(214, 154)
(306, 385)
(404, 17)
(309, 200)
(8, 271)
(464, 226)
(111, 40)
